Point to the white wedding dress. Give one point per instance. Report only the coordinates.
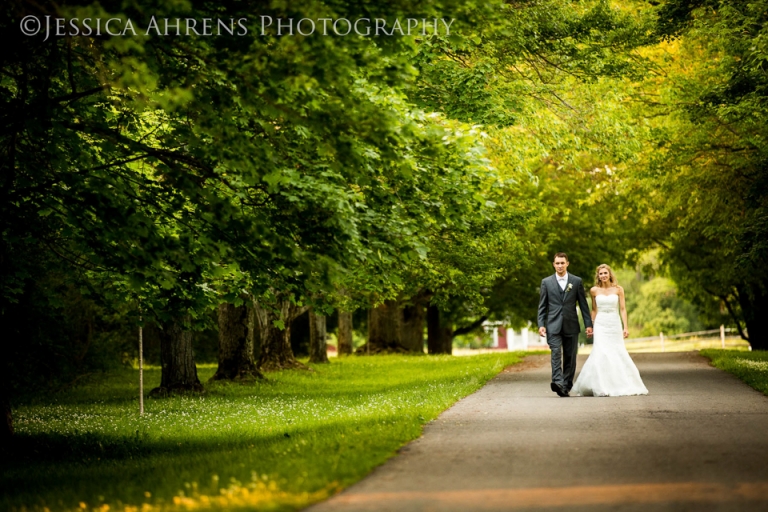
(609, 371)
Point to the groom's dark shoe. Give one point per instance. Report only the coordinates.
(557, 389)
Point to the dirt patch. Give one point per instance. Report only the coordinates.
(529, 363)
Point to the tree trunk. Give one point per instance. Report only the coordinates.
(276, 353)
(236, 340)
(300, 335)
(6, 436)
(318, 348)
(413, 327)
(7, 430)
(177, 359)
(385, 329)
(439, 337)
(754, 301)
(345, 333)
(254, 332)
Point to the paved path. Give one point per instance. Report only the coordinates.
(699, 441)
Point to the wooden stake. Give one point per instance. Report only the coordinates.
(141, 370)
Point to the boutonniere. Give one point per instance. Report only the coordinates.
(568, 288)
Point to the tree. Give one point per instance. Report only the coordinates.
(439, 335)
(414, 321)
(703, 185)
(236, 343)
(657, 308)
(171, 166)
(7, 429)
(541, 78)
(318, 349)
(344, 336)
(275, 329)
(396, 326)
(385, 329)
(161, 161)
(179, 372)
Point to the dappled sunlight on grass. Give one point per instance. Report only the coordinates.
(259, 493)
(305, 434)
(751, 367)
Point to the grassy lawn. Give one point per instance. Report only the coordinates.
(675, 345)
(751, 367)
(278, 445)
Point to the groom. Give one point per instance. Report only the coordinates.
(560, 324)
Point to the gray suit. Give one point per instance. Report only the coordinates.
(557, 312)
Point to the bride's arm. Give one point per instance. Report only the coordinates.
(594, 305)
(623, 306)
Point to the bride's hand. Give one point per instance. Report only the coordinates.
(626, 333)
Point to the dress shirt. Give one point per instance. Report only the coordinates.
(562, 281)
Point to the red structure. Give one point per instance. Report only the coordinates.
(502, 337)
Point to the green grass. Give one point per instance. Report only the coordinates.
(278, 445)
(679, 345)
(751, 367)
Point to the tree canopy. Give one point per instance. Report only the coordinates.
(157, 177)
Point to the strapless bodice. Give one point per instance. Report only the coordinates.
(607, 303)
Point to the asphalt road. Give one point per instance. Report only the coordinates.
(698, 441)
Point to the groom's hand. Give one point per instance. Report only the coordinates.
(542, 331)
(589, 332)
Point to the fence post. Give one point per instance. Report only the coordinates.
(141, 370)
(722, 336)
(661, 335)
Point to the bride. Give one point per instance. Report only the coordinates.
(609, 371)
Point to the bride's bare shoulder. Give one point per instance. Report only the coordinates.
(621, 290)
(593, 290)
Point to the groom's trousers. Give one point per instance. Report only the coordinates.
(564, 349)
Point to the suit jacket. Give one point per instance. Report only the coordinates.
(557, 308)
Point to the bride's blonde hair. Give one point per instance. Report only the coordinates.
(611, 277)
